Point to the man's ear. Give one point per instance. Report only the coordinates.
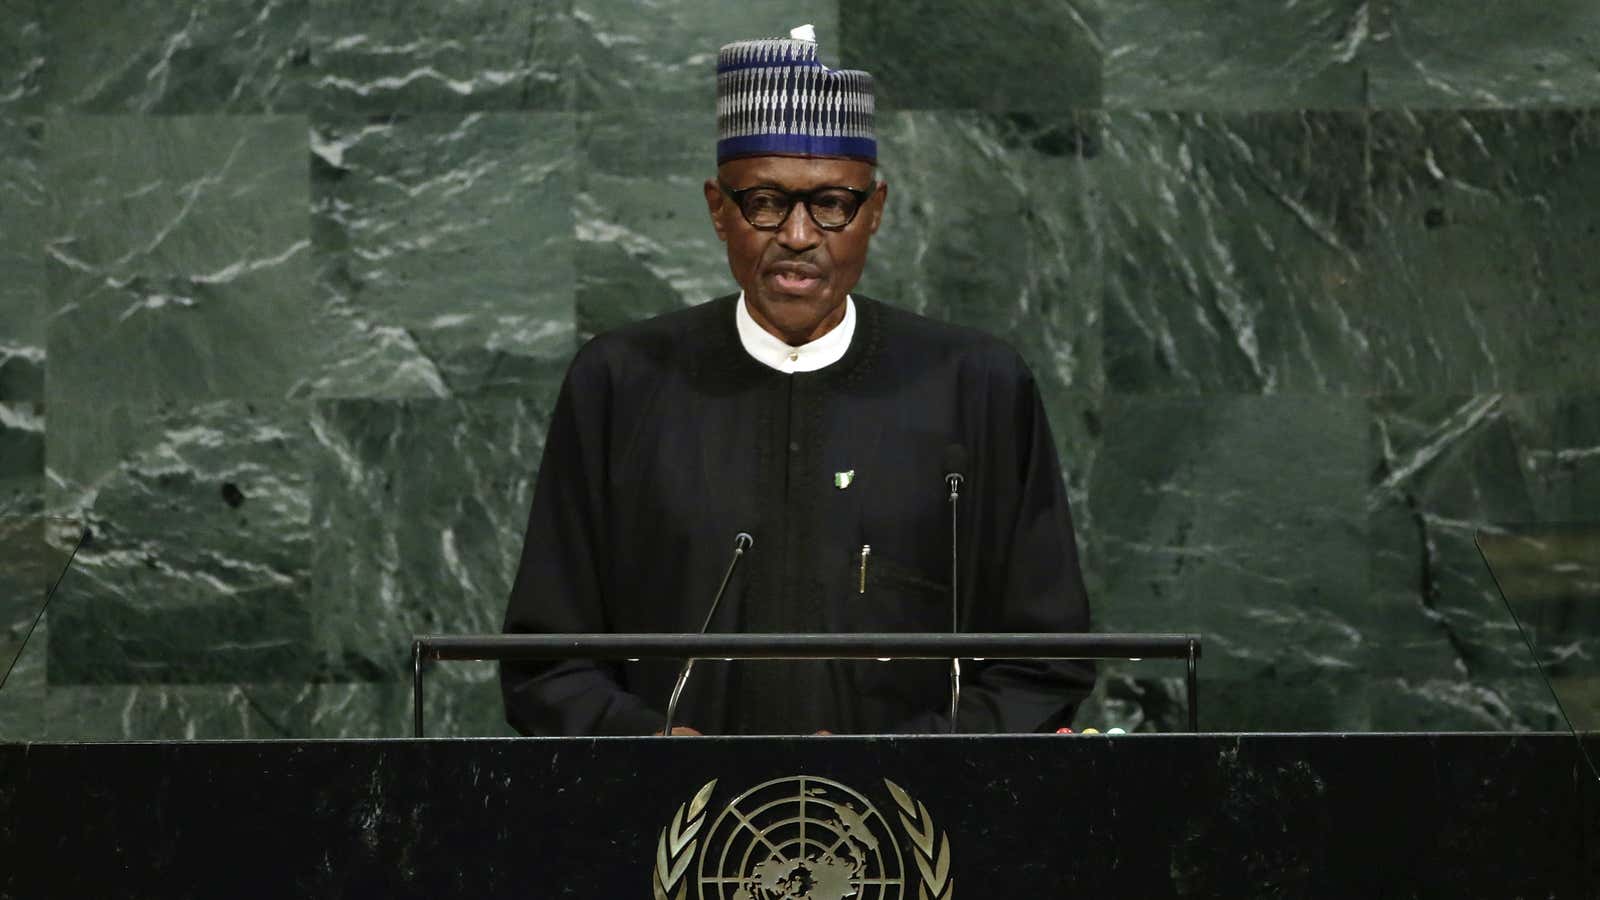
(880, 197)
(714, 204)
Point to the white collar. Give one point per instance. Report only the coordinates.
(773, 353)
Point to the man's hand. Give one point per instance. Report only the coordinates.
(682, 731)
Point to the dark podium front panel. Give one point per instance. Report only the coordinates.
(1139, 816)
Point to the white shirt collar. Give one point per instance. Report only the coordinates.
(773, 353)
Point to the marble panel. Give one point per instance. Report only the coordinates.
(1559, 437)
(645, 242)
(22, 55)
(1147, 697)
(421, 506)
(461, 699)
(198, 568)
(1242, 519)
(1549, 575)
(22, 485)
(218, 358)
(1075, 423)
(446, 242)
(1224, 55)
(393, 56)
(1233, 250)
(1445, 467)
(32, 708)
(1488, 53)
(150, 56)
(24, 207)
(1481, 266)
(178, 273)
(23, 204)
(1150, 697)
(666, 58)
(989, 224)
(940, 54)
(153, 712)
(30, 563)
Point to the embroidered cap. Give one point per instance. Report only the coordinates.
(775, 98)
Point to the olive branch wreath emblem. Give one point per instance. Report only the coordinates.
(676, 846)
(933, 867)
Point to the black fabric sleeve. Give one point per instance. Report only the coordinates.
(1028, 577)
(560, 582)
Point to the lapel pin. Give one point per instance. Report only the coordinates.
(841, 480)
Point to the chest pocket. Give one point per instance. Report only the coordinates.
(892, 596)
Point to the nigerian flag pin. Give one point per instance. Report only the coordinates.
(841, 480)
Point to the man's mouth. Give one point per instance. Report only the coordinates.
(795, 278)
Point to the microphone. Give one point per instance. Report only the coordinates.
(83, 537)
(955, 463)
(741, 542)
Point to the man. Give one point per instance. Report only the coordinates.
(821, 424)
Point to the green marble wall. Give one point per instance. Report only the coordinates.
(286, 288)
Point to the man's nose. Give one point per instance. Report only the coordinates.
(798, 232)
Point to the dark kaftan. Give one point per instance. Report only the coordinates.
(668, 439)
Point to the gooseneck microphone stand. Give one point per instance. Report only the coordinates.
(741, 543)
(954, 479)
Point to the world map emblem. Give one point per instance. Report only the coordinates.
(802, 838)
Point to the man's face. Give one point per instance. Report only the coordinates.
(795, 278)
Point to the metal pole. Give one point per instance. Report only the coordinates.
(416, 689)
(854, 645)
(1193, 681)
(955, 596)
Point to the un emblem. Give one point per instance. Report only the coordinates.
(801, 838)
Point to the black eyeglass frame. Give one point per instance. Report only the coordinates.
(793, 197)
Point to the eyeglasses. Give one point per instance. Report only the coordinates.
(767, 208)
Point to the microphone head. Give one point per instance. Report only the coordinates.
(955, 460)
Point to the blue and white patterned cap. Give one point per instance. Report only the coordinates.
(775, 98)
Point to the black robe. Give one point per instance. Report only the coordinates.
(668, 439)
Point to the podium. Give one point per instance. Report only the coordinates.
(1134, 816)
(1334, 815)
(749, 818)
